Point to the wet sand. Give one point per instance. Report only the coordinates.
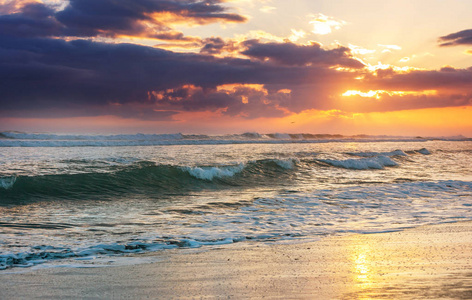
(429, 262)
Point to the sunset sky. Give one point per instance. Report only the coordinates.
(219, 66)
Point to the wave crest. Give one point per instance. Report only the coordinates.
(378, 162)
(208, 173)
(7, 182)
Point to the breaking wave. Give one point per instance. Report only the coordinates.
(378, 162)
(140, 178)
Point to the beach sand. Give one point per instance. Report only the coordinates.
(429, 262)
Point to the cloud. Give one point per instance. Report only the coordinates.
(292, 54)
(360, 50)
(407, 102)
(109, 18)
(243, 100)
(463, 37)
(388, 90)
(139, 17)
(268, 9)
(33, 19)
(40, 75)
(390, 47)
(216, 45)
(46, 70)
(324, 25)
(446, 79)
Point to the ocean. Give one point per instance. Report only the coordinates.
(79, 199)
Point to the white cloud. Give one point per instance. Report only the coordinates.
(324, 25)
(359, 50)
(268, 9)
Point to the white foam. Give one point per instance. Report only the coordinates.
(7, 182)
(286, 163)
(378, 162)
(208, 173)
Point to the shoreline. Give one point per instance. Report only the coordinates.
(431, 261)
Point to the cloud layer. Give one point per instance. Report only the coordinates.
(52, 64)
(108, 18)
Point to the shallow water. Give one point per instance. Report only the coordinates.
(72, 201)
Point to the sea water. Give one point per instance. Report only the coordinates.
(87, 196)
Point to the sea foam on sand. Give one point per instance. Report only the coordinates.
(428, 262)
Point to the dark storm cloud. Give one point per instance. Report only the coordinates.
(215, 45)
(39, 73)
(240, 100)
(396, 102)
(444, 79)
(293, 54)
(463, 37)
(111, 18)
(35, 19)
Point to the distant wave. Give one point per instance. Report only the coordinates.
(371, 154)
(18, 139)
(79, 137)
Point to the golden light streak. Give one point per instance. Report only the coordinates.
(232, 88)
(381, 66)
(390, 47)
(284, 91)
(378, 93)
(259, 34)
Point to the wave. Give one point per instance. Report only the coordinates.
(209, 173)
(378, 162)
(143, 177)
(7, 182)
(63, 137)
(285, 216)
(18, 139)
(41, 253)
(371, 154)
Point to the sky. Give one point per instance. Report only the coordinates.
(231, 66)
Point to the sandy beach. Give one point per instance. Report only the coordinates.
(429, 262)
